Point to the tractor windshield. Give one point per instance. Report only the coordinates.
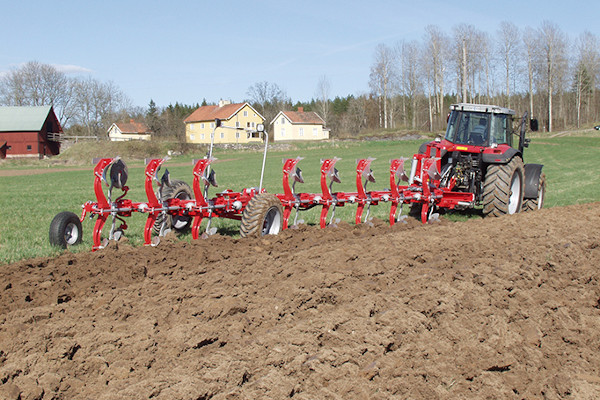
(468, 127)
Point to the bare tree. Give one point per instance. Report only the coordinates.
(268, 99)
(529, 40)
(382, 77)
(323, 92)
(411, 82)
(553, 45)
(98, 105)
(465, 49)
(435, 60)
(509, 39)
(587, 71)
(37, 84)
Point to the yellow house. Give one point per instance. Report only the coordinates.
(299, 125)
(125, 131)
(240, 116)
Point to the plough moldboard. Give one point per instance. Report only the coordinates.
(260, 212)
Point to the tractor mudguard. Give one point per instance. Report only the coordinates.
(503, 158)
(532, 180)
(423, 149)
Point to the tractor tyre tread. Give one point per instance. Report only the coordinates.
(497, 187)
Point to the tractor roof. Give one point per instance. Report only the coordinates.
(484, 108)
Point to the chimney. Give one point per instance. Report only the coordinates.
(300, 109)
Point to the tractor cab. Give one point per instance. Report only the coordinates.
(479, 125)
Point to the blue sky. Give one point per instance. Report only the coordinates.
(186, 51)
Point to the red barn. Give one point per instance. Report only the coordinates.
(29, 132)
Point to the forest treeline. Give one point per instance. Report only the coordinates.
(543, 71)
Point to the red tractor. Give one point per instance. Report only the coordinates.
(477, 156)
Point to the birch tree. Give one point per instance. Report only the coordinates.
(508, 47)
(382, 77)
(323, 93)
(553, 45)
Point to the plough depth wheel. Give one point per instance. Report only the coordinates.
(65, 230)
(262, 216)
(177, 190)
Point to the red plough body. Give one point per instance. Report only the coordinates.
(423, 186)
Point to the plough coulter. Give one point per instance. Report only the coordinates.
(474, 165)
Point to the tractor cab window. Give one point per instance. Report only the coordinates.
(501, 130)
(468, 128)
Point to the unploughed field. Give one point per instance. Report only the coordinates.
(463, 308)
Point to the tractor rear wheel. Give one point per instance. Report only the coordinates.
(65, 230)
(503, 188)
(177, 190)
(538, 202)
(262, 216)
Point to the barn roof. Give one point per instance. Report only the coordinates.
(23, 119)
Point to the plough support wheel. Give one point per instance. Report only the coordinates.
(177, 190)
(65, 230)
(262, 216)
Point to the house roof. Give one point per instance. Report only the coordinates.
(210, 113)
(301, 117)
(132, 127)
(23, 119)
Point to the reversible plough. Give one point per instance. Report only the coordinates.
(455, 172)
(260, 212)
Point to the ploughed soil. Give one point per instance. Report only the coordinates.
(504, 308)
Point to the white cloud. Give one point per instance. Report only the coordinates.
(71, 69)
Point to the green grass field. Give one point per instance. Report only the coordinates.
(29, 202)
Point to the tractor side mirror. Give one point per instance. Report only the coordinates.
(533, 125)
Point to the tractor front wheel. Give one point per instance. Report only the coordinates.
(65, 230)
(503, 188)
(538, 202)
(262, 216)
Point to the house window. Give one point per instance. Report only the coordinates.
(237, 135)
(253, 124)
(282, 120)
(315, 130)
(192, 136)
(222, 135)
(301, 131)
(202, 125)
(237, 124)
(212, 125)
(282, 132)
(245, 113)
(28, 147)
(202, 136)
(191, 127)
